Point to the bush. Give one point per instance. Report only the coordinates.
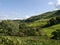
(56, 34)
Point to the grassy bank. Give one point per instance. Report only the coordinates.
(33, 40)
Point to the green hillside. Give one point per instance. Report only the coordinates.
(40, 20)
(46, 15)
(51, 29)
(38, 23)
(42, 29)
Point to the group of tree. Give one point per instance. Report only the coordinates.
(56, 34)
(53, 21)
(20, 28)
(14, 28)
(8, 27)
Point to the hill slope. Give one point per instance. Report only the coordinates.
(46, 15)
(38, 21)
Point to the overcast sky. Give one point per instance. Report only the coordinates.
(22, 9)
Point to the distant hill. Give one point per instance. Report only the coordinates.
(46, 15)
(35, 25)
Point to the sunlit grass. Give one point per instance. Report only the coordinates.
(51, 29)
(32, 40)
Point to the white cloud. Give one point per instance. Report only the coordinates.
(58, 4)
(3, 17)
(27, 16)
(50, 3)
(55, 9)
(10, 15)
(13, 15)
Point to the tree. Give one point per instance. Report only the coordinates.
(58, 19)
(52, 21)
(56, 34)
(10, 27)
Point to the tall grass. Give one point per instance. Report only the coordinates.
(37, 40)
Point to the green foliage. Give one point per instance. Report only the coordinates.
(56, 34)
(9, 27)
(52, 21)
(41, 25)
(5, 41)
(48, 30)
(34, 40)
(58, 19)
(14, 28)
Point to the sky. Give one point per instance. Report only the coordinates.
(22, 9)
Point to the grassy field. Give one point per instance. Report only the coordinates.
(37, 23)
(47, 30)
(33, 40)
(51, 29)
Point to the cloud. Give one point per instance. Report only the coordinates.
(58, 4)
(2, 17)
(27, 16)
(55, 9)
(13, 15)
(10, 15)
(50, 3)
